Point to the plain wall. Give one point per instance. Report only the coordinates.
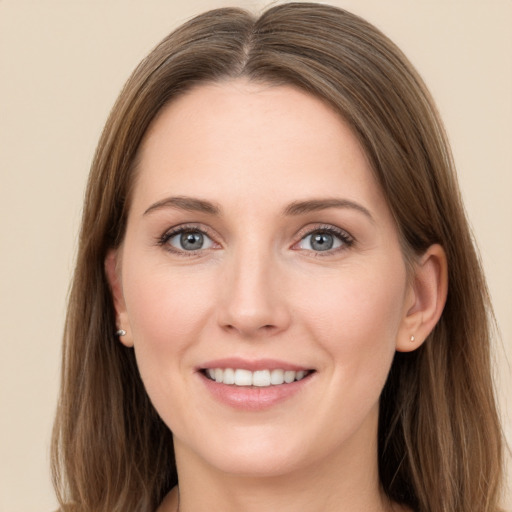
(62, 64)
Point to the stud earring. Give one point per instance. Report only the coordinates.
(412, 339)
(121, 332)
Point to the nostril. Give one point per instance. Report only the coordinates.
(267, 328)
(252, 318)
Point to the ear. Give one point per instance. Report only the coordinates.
(425, 300)
(112, 271)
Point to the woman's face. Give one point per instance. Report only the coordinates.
(259, 250)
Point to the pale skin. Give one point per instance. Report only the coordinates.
(321, 284)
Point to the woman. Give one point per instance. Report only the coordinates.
(275, 266)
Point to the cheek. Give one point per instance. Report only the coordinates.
(356, 319)
(164, 304)
(167, 310)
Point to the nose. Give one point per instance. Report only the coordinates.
(253, 299)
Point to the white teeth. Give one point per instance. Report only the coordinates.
(243, 377)
(229, 376)
(276, 377)
(289, 376)
(259, 378)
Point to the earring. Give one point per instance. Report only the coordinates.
(412, 339)
(121, 332)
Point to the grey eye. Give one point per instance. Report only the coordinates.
(190, 241)
(320, 241)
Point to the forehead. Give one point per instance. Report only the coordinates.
(237, 139)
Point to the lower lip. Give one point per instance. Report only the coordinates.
(253, 398)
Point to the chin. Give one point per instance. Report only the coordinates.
(261, 464)
(250, 452)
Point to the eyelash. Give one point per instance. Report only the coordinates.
(346, 239)
(190, 228)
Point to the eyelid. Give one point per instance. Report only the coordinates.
(346, 238)
(184, 228)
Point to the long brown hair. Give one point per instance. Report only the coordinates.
(440, 445)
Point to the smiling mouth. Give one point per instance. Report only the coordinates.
(258, 378)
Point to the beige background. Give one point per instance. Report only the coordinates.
(62, 64)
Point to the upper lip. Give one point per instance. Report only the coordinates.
(252, 365)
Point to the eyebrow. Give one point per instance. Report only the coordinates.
(190, 204)
(193, 204)
(313, 205)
